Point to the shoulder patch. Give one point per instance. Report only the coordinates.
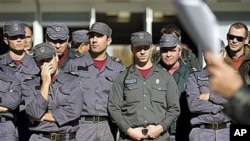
(206, 78)
(194, 69)
(117, 59)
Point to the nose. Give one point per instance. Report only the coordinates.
(94, 38)
(142, 51)
(57, 45)
(19, 39)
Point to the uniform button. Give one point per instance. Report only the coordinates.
(159, 88)
(145, 95)
(145, 121)
(145, 108)
(144, 83)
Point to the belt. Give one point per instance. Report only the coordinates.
(95, 118)
(58, 136)
(214, 125)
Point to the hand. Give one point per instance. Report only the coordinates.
(224, 79)
(3, 109)
(46, 70)
(136, 133)
(48, 117)
(204, 96)
(154, 131)
(32, 120)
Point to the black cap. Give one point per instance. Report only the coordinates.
(43, 51)
(58, 31)
(13, 28)
(141, 38)
(169, 40)
(101, 28)
(80, 36)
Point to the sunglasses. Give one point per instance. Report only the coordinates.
(238, 38)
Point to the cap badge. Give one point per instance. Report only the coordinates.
(14, 27)
(58, 28)
(157, 81)
(95, 26)
(42, 49)
(168, 39)
(141, 35)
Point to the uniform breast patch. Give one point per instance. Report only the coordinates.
(203, 78)
(131, 81)
(82, 68)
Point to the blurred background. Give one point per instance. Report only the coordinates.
(123, 16)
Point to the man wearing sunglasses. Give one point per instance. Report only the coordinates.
(238, 50)
(57, 34)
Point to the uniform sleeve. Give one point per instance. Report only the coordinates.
(67, 67)
(73, 108)
(35, 104)
(115, 104)
(239, 105)
(195, 104)
(173, 106)
(217, 99)
(12, 98)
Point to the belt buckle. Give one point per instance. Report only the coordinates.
(96, 119)
(53, 136)
(215, 125)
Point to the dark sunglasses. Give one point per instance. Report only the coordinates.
(238, 38)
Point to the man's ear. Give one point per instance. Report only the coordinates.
(109, 41)
(247, 40)
(5, 40)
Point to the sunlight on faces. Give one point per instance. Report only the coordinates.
(15, 42)
(98, 42)
(237, 39)
(59, 45)
(170, 55)
(142, 53)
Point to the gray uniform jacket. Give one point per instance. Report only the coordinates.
(27, 68)
(137, 102)
(204, 111)
(95, 83)
(64, 102)
(71, 55)
(10, 91)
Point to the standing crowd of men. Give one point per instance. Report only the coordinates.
(62, 90)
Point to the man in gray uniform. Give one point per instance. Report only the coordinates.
(209, 121)
(10, 98)
(57, 34)
(144, 101)
(23, 65)
(53, 99)
(16, 58)
(80, 41)
(97, 70)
